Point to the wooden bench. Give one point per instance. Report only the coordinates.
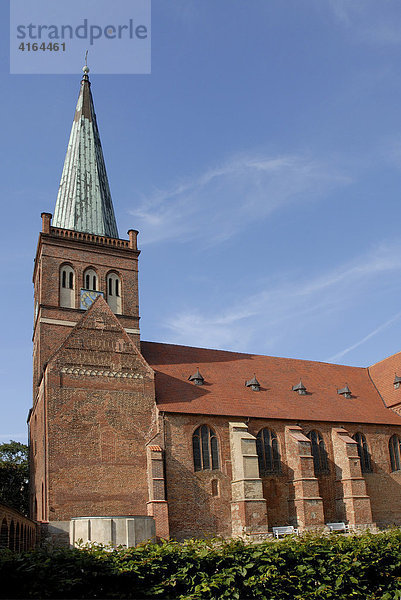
(285, 530)
(338, 527)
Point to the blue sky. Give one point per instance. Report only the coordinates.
(260, 162)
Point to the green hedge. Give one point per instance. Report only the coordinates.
(363, 567)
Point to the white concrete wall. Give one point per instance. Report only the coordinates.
(114, 531)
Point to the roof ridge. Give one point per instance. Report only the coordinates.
(250, 354)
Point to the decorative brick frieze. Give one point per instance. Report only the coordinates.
(79, 372)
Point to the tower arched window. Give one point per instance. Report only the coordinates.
(319, 453)
(114, 293)
(205, 449)
(268, 452)
(363, 452)
(395, 452)
(90, 280)
(67, 287)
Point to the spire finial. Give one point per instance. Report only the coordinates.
(86, 68)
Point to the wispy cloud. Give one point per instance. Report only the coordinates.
(289, 308)
(369, 20)
(217, 203)
(367, 337)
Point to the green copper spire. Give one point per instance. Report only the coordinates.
(84, 201)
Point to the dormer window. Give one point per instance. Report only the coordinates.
(397, 382)
(90, 280)
(300, 388)
(196, 378)
(253, 384)
(345, 391)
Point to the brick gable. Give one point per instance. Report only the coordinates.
(99, 409)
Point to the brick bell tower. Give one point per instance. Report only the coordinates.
(93, 393)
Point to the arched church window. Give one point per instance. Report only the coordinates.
(205, 449)
(90, 280)
(67, 293)
(11, 539)
(17, 537)
(4, 534)
(319, 453)
(268, 452)
(114, 293)
(395, 452)
(363, 452)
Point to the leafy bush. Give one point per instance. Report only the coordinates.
(363, 567)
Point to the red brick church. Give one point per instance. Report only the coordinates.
(199, 442)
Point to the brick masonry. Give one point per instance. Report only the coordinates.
(194, 511)
(108, 439)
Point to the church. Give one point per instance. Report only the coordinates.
(131, 440)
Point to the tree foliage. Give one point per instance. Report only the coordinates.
(14, 476)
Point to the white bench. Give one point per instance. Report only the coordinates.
(338, 527)
(285, 530)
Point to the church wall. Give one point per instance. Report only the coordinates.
(383, 486)
(276, 487)
(37, 458)
(193, 511)
(97, 434)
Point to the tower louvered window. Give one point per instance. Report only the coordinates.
(395, 452)
(205, 449)
(363, 452)
(319, 453)
(90, 280)
(67, 295)
(268, 452)
(114, 293)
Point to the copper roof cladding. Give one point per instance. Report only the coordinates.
(84, 201)
(224, 393)
(382, 374)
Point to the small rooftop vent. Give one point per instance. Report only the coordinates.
(397, 382)
(300, 388)
(345, 391)
(253, 383)
(196, 378)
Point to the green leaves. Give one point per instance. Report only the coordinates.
(14, 475)
(360, 567)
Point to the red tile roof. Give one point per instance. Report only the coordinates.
(383, 373)
(224, 391)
